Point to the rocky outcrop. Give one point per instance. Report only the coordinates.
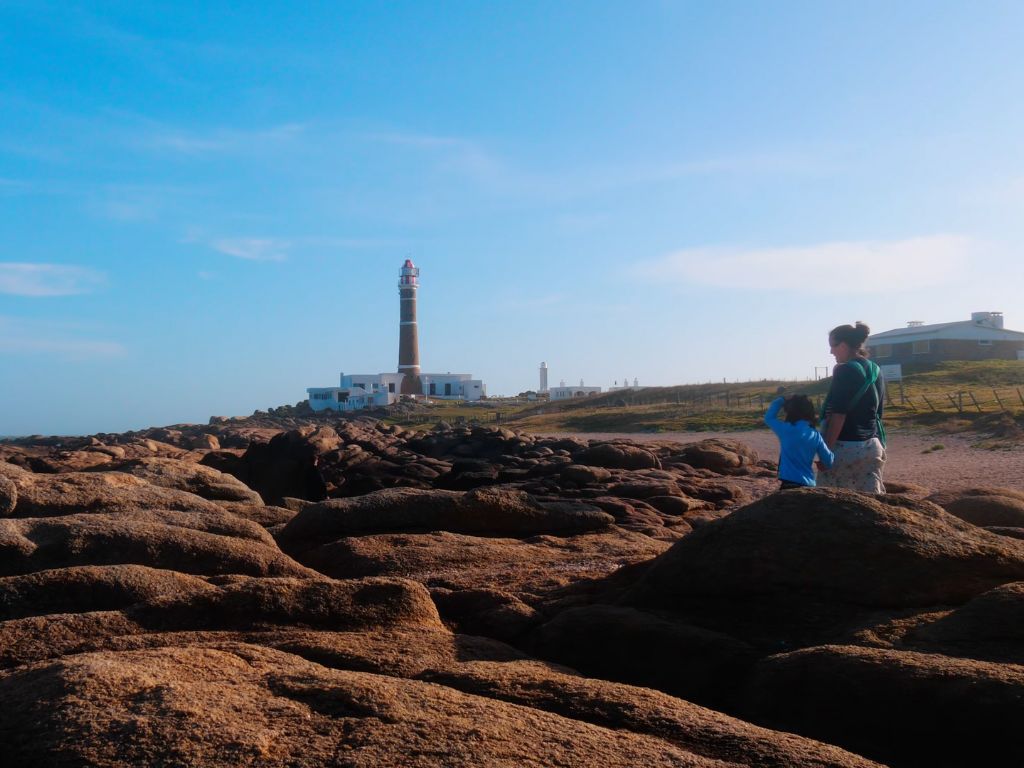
(188, 476)
(99, 492)
(900, 707)
(482, 511)
(410, 598)
(805, 561)
(984, 506)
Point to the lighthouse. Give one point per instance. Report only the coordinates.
(408, 337)
(356, 391)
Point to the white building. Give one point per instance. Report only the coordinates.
(452, 386)
(569, 393)
(370, 390)
(375, 389)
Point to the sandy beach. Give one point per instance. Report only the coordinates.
(958, 464)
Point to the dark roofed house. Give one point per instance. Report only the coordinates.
(980, 338)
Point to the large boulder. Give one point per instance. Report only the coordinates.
(617, 456)
(991, 626)
(42, 495)
(984, 506)
(720, 455)
(640, 710)
(286, 465)
(809, 559)
(526, 568)
(188, 476)
(8, 496)
(245, 705)
(642, 649)
(898, 707)
(491, 511)
(160, 541)
(91, 588)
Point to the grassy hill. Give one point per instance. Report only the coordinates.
(939, 395)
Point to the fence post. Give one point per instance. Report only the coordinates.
(976, 404)
(954, 401)
(1020, 396)
(1001, 406)
(934, 410)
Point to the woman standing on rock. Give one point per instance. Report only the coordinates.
(852, 414)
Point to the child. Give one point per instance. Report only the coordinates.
(798, 439)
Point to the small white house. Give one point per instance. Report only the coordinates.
(571, 393)
(453, 386)
(370, 390)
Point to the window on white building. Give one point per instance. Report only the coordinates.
(882, 350)
(922, 347)
(984, 342)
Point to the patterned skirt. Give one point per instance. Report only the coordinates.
(858, 466)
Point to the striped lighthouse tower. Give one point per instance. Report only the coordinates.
(408, 338)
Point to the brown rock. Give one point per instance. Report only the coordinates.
(984, 506)
(484, 510)
(584, 475)
(8, 496)
(188, 476)
(719, 455)
(676, 505)
(91, 588)
(900, 707)
(527, 569)
(617, 456)
(245, 705)
(642, 649)
(841, 546)
(35, 544)
(204, 441)
(42, 495)
(991, 626)
(488, 612)
(640, 710)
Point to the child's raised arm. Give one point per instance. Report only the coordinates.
(771, 416)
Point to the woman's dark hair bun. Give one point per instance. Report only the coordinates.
(862, 329)
(854, 335)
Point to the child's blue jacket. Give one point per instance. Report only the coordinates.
(798, 445)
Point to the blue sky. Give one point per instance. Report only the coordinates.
(204, 206)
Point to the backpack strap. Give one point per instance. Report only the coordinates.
(870, 371)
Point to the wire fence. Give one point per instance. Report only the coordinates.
(988, 400)
(1007, 399)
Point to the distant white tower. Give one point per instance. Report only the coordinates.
(635, 382)
(543, 377)
(581, 382)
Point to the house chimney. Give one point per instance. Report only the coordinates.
(987, 319)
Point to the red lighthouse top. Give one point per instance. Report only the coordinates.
(408, 276)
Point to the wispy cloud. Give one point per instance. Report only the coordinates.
(37, 280)
(844, 267)
(222, 140)
(253, 248)
(33, 337)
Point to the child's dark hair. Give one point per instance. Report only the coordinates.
(854, 335)
(800, 408)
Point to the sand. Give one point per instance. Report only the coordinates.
(960, 463)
